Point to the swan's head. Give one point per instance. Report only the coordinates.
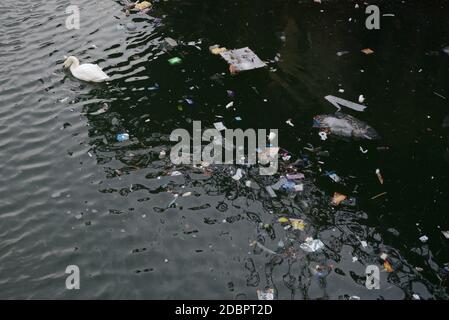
(71, 60)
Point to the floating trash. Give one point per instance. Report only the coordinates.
(379, 176)
(323, 135)
(388, 266)
(379, 195)
(297, 176)
(175, 61)
(298, 224)
(338, 198)
(367, 51)
(229, 105)
(216, 49)
(290, 123)
(171, 42)
(122, 137)
(311, 245)
(423, 239)
(279, 184)
(243, 59)
(231, 94)
(143, 5)
(268, 294)
(238, 175)
(334, 177)
(342, 53)
(283, 220)
(288, 185)
(338, 102)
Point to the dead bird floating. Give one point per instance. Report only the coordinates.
(344, 125)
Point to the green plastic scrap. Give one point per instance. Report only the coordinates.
(174, 60)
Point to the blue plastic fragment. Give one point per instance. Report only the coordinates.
(122, 137)
(290, 185)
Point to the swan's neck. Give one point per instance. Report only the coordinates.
(75, 63)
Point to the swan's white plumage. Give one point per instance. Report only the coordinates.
(86, 72)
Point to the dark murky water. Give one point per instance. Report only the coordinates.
(72, 194)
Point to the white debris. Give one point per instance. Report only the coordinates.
(238, 175)
(337, 102)
(243, 59)
(323, 135)
(361, 98)
(445, 234)
(171, 42)
(230, 104)
(311, 245)
(271, 136)
(335, 177)
(423, 238)
(265, 295)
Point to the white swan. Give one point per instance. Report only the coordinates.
(86, 72)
